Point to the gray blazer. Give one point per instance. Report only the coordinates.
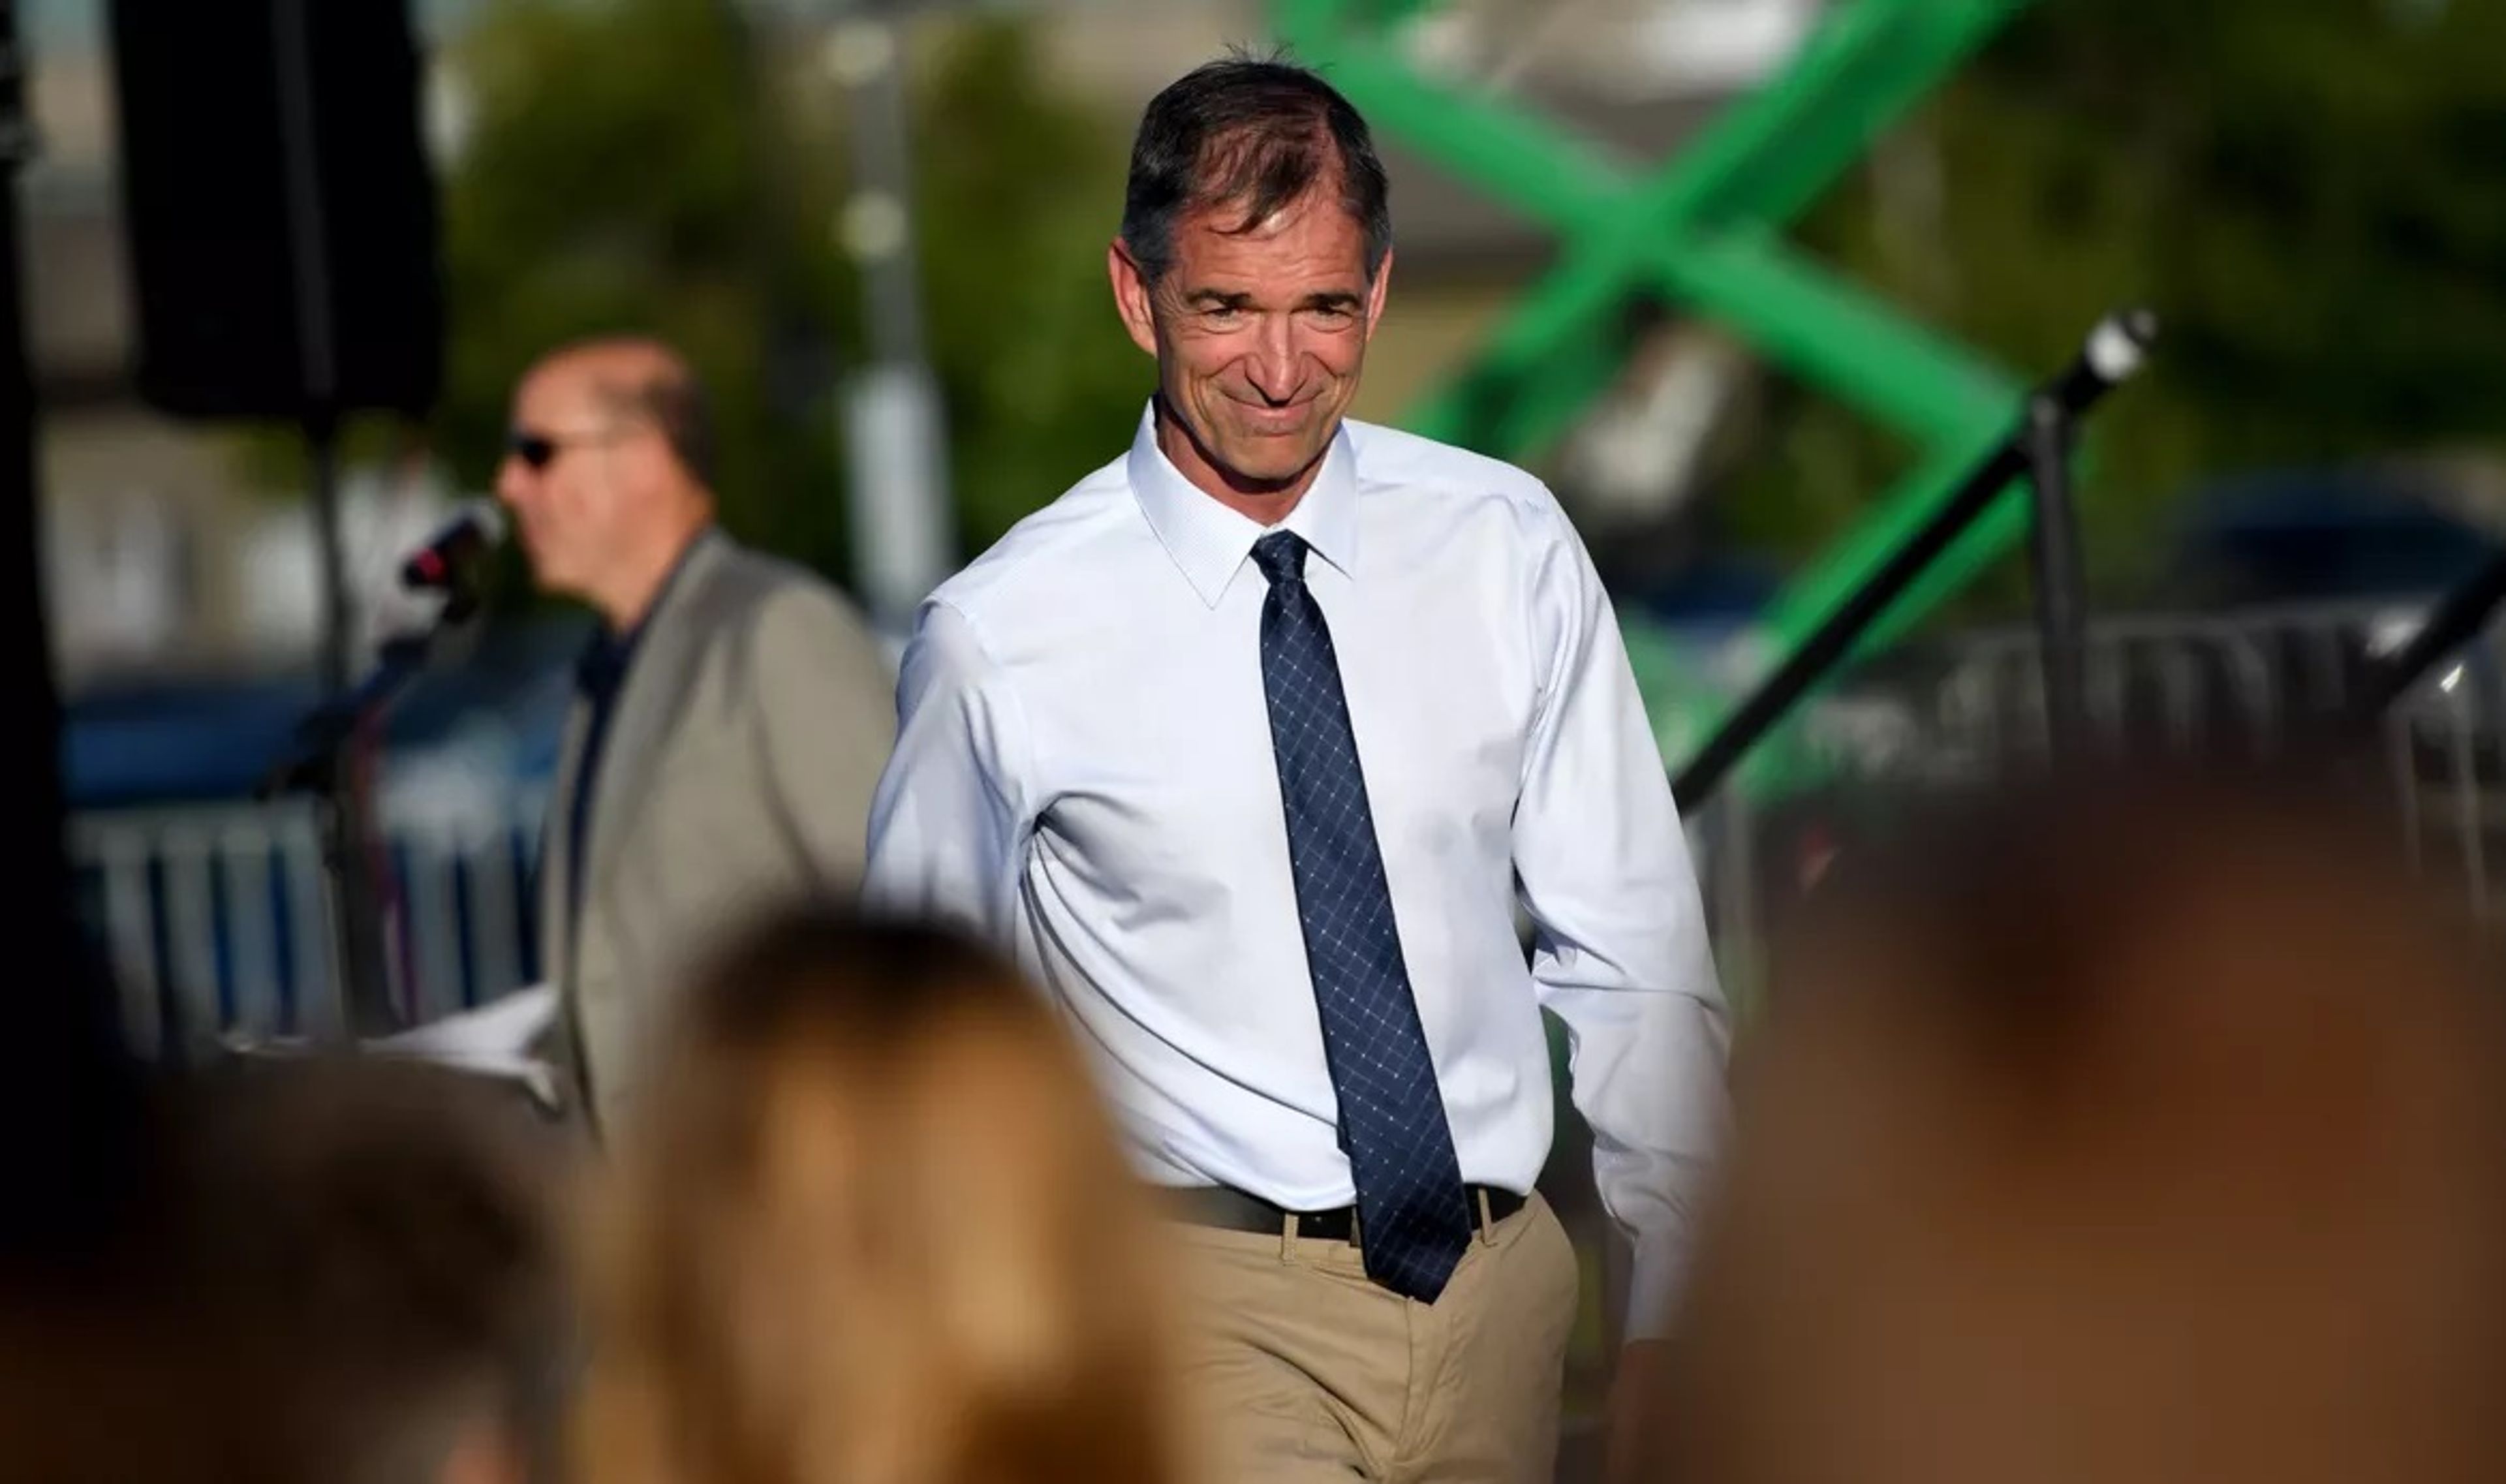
(737, 774)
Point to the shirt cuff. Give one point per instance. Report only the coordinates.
(1654, 1282)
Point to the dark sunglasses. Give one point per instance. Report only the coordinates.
(540, 449)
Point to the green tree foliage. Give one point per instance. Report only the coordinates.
(620, 174)
(1020, 197)
(2313, 196)
(658, 166)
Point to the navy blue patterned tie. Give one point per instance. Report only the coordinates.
(1414, 1215)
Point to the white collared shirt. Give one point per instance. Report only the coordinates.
(1083, 772)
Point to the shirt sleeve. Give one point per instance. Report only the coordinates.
(950, 825)
(825, 722)
(1619, 952)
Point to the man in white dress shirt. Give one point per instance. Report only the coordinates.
(1248, 746)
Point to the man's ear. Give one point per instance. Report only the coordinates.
(1132, 295)
(1377, 292)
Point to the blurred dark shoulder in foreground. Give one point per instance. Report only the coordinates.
(2140, 1125)
(345, 1270)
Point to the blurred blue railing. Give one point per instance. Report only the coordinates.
(213, 917)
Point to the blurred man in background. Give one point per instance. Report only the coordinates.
(1130, 747)
(733, 715)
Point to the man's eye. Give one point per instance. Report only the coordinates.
(1224, 313)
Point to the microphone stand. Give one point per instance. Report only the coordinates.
(2038, 447)
(319, 764)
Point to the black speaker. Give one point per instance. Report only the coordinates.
(280, 213)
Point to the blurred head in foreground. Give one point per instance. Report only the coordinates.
(872, 1229)
(2152, 1133)
(392, 1240)
(354, 1279)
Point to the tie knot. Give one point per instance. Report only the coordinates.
(1281, 557)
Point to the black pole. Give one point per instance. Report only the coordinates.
(2061, 582)
(357, 962)
(363, 1003)
(35, 706)
(71, 1112)
(2457, 618)
(336, 657)
(2114, 351)
(1828, 644)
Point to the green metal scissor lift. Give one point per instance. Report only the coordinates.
(1705, 232)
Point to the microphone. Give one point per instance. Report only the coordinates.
(2116, 350)
(438, 565)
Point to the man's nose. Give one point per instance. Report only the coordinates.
(513, 481)
(1271, 368)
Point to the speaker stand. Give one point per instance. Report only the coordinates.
(360, 970)
(339, 733)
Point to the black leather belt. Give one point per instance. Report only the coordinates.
(1236, 1210)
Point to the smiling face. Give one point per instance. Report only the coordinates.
(1259, 334)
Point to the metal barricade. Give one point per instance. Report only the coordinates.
(213, 919)
(2247, 684)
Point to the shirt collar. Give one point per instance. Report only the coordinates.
(603, 663)
(1210, 542)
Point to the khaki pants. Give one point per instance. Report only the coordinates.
(1307, 1371)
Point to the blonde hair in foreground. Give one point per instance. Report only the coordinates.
(874, 1228)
